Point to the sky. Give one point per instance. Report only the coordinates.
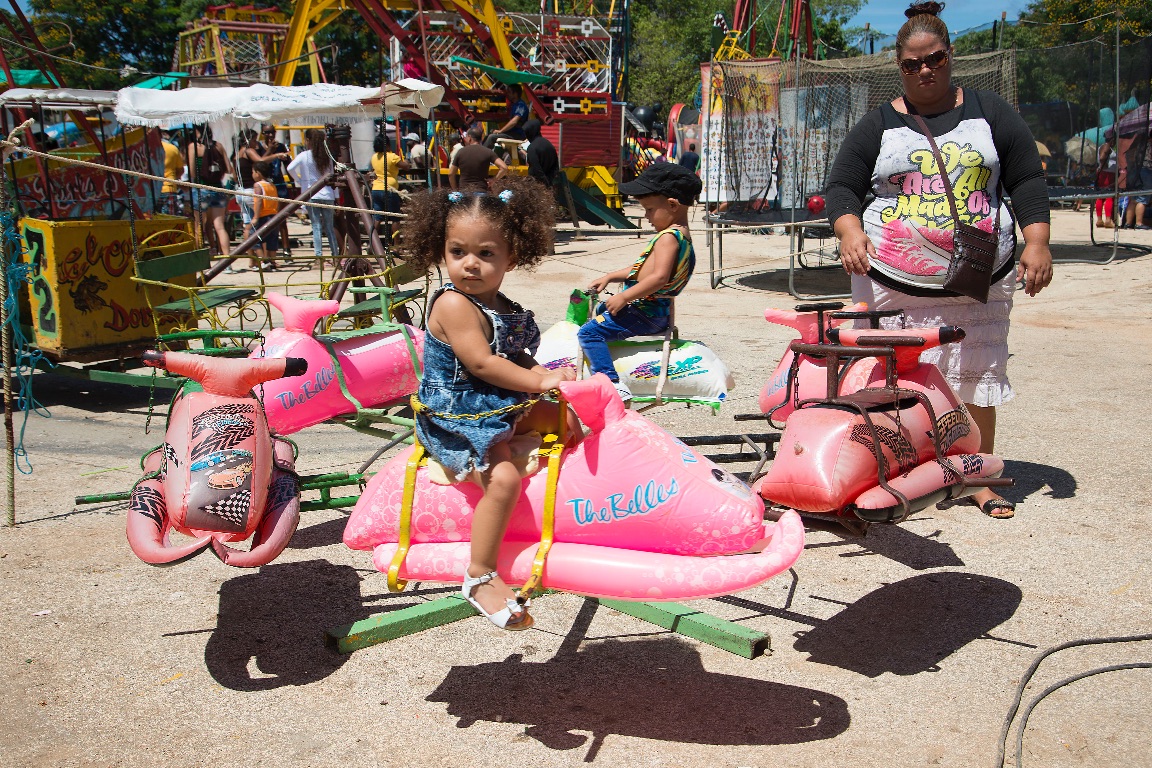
(888, 15)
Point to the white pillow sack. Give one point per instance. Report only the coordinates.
(695, 373)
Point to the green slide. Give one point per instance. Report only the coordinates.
(593, 211)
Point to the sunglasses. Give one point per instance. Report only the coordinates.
(933, 60)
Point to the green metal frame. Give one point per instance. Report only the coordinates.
(382, 627)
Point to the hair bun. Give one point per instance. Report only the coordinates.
(927, 8)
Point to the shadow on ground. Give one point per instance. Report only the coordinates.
(319, 535)
(270, 627)
(653, 689)
(1087, 253)
(52, 389)
(808, 282)
(912, 625)
(895, 542)
(1032, 478)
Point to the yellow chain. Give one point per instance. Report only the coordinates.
(419, 407)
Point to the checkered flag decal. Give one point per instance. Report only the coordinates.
(170, 455)
(232, 508)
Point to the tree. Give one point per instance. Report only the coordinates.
(671, 38)
(109, 34)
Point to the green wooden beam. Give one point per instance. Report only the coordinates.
(704, 627)
(133, 379)
(382, 627)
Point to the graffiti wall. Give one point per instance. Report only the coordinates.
(73, 192)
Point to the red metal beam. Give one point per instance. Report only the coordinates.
(384, 25)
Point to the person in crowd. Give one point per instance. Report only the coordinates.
(308, 168)
(170, 198)
(208, 164)
(897, 248)
(278, 158)
(386, 167)
(517, 116)
(644, 305)
(470, 172)
(690, 159)
(264, 207)
(417, 151)
(1140, 176)
(249, 151)
(455, 143)
(479, 374)
(1106, 180)
(543, 162)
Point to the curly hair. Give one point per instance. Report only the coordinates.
(923, 19)
(527, 220)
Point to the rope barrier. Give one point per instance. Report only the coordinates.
(14, 143)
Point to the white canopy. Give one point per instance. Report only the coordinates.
(282, 105)
(70, 98)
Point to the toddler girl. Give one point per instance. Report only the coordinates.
(478, 368)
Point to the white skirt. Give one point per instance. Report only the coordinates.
(976, 367)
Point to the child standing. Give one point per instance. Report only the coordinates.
(264, 207)
(666, 192)
(478, 368)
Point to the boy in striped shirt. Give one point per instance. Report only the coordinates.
(643, 307)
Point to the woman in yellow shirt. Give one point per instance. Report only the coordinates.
(386, 167)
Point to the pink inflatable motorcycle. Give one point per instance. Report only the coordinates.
(638, 516)
(220, 476)
(365, 368)
(886, 436)
(812, 321)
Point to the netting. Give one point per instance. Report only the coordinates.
(1069, 96)
(772, 129)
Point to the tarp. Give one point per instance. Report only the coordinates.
(25, 78)
(276, 104)
(1133, 122)
(162, 81)
(506, 76)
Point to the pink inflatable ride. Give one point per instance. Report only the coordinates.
(219, 477)
(639, 516)
(379, 366)
(885, 438)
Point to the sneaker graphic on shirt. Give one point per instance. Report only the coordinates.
(623, 391)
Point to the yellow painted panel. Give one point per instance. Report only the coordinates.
(82, 294)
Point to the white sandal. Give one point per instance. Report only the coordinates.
(502, 617)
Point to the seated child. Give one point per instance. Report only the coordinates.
(666, 191)
(479, 375)
(263, 209)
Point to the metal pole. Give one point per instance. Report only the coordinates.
(1116, 146)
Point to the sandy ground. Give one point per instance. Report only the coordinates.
(902, 648)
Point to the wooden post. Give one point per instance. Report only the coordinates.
(6, 341)
(704, 627)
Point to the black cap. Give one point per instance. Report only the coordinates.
(666, 179)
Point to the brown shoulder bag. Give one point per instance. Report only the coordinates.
(973, 250)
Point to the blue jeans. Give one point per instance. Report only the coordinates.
(604, 327)
(322, 224)
(1145, 183)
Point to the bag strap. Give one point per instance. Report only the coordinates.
(940, 166)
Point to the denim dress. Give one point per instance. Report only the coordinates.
(462, 444)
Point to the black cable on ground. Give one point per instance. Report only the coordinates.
(1061, 684)
(1001, 744)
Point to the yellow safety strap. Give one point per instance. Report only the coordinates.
(548, 523)
(395, 583)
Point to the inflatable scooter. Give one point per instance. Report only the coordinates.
(220, 476)
(368, 368)
(638, 516)
(812, 321)
(896, 444)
